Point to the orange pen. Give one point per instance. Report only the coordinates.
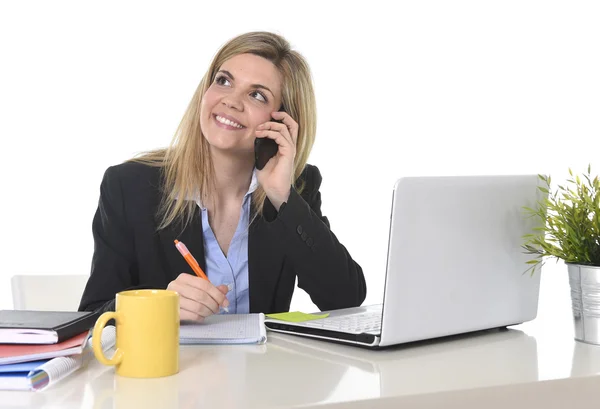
(192, 262)
(190, 259)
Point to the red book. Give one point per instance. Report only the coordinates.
(12, 353)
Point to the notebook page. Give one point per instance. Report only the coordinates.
(225, 329)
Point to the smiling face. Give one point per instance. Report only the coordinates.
(246, 89)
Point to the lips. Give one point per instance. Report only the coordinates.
(228, 121)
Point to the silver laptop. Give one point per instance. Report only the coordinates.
(454, 265)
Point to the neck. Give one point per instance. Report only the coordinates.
(232, 177)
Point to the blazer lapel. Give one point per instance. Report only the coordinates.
(193, 239)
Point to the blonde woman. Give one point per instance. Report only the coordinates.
(252, 231)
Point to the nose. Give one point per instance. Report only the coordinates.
(233, 101)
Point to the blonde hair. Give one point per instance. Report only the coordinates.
(187, 164)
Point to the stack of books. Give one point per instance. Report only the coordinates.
(39, 348)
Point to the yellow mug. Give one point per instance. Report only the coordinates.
(147, 323)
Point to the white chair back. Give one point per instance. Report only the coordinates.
(48, 292)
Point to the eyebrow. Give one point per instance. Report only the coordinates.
(252, 85)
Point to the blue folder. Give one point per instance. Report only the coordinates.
(14, 376)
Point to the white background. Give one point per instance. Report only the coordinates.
(417, 88)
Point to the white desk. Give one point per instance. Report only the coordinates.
(293, 371)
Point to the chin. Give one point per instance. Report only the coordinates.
(228, 142)
(231, 147)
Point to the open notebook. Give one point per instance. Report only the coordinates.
(225, 329)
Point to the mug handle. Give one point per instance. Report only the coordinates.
(97, 338)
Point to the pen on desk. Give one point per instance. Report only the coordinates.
(192, 262)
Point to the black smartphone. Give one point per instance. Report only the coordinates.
(265, 149)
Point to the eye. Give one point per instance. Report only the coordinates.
(222, 80)
(259, 96)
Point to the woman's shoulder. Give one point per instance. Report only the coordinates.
(310, 178)
(132, 175)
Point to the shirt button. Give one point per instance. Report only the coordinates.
(299, 229)
(309, 241)
(304, 236)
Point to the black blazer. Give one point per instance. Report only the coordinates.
(130, 253)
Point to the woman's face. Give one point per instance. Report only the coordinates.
(246, 89)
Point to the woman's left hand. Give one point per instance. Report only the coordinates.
(276, 176)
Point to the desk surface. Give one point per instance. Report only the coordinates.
(293, 371)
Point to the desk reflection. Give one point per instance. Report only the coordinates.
(296, 371)
(291, 370)
(481, 359)
(204, 378)
(224, 377)
(586, 360)
(291, 378)
(66, 393)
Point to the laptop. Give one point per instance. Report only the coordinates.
(454, 264)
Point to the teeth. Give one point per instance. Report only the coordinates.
(228, 122)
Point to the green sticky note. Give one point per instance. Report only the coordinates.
(296, 316)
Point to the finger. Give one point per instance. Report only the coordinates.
(195, 294)
(205, 286)
(185, 315)
(210, 302)
(285, 144)
(275, 126)
(288, 121)
(185, 290)
(223, 288)
(195, 307)
(285, 118)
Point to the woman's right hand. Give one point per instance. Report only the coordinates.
(198, 298)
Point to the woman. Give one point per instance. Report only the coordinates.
(252, 231)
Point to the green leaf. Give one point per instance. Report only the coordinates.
(569, 222)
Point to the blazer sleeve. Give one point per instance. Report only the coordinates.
(113, 257)
(325, 269)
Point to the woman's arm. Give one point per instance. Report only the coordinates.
(324, 267)
(113, 257)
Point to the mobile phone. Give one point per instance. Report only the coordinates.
(264, 149)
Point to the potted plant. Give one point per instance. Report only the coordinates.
(570, 231)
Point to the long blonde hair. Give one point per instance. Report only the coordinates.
(187, 165)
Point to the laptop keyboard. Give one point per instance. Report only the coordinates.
(368, 322)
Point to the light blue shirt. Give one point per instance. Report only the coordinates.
(231, 270)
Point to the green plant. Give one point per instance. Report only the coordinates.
(570, 223)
